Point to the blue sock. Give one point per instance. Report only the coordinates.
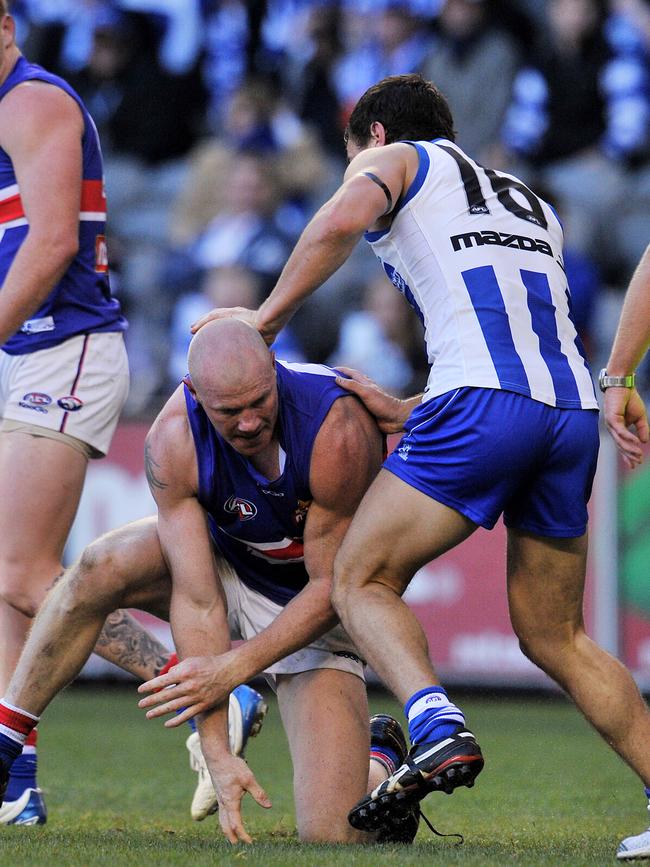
(9, 749)
(431, 716)
(647, 794)
(22, 775)
(386, 756)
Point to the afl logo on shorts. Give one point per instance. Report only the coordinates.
(244, 508)
(70, 403)
(36, 398)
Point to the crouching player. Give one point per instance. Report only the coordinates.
(257, 468)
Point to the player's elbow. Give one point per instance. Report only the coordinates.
(65, 247)
(55, 247)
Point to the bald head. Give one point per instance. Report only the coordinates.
(227, 356)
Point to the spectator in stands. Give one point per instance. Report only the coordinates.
(381, 340)
(388, 38)
(244, 230)
(230, 285)
(258, 122)
(317, 97)
(579, 113)
(472, 57)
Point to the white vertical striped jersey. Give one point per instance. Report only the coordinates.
(479, 257)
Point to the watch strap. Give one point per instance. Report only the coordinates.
(606, 381)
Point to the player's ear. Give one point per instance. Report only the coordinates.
(377, 134)
(190, 387)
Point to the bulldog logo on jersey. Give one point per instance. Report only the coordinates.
(301, 512)
(244, 508)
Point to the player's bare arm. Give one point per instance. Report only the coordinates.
(41, 129)
(197, 610)
(624, 407)
(346, 457)
(373, 184)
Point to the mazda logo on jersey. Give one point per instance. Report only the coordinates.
(244, 508)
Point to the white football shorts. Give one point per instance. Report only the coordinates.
(249, 612)
(76, 389)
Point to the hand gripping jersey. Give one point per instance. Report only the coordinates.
(255, 523)
(81, 302)
(479, 257)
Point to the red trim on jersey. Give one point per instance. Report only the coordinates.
(92, 199)
(76, 380)
(32, 738)
(15, 720)
(92, 196)
(293, 551)
(11, 209)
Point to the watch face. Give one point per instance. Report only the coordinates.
(601, 379)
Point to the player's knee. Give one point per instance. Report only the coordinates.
(339, 594)
(100, 572)
(318, 830)
(19, 587)
(349, 576)
(548, 648)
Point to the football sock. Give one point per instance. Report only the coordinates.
(647, 794)
(431, 716)
(16, 728)
(385, 756)
(23, 774)
(16, 724)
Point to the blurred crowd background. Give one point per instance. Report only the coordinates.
(222, 128)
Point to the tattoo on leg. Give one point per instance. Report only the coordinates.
(127, 644)
(150, 467)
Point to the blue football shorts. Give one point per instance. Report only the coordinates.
(486, 451)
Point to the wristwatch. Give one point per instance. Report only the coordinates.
(606, 381)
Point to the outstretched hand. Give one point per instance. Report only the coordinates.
(243, 313)
(195, 685)
(232, 778)
(624, 409)
(390, 412)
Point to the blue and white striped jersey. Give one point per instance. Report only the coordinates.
(479, 257)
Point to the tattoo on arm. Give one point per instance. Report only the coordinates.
(150, 467)
(127, 644)
(373, 177)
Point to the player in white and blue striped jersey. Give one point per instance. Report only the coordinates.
(508, 425)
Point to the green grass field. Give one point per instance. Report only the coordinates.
(118, 790)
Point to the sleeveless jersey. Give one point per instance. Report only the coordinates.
(81, 302)
(255, 523)
(479, 257)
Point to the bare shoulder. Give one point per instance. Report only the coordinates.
(36, 108)
(347, 452)
(169, 453)
(393, 156)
